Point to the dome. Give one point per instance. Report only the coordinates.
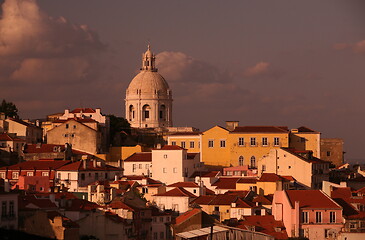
(148, 82)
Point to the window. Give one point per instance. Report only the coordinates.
(82, 176)
(318, 217)
(147, 166)
(66, 125)
(45, 174)
(4, 208)
(253, 162)
(164, 170)
(305, 217)
(173, 143)
(15, 175)
(264, 141)
(223, 143)
(175, 170)
(134, 167)
(161, 219)
(332, 217)
(263, 168)
(229, 173)
(11, 209)
(74, 126)
(162, 235)
(253, 141)
(146, 114)
(66, 135)
(183, 144)
(72, 135)
(140, 166)
(328, 153)
(192, 144)
(2, 175)
(241, 141)
(216, 208)
(240, 161)
(29, 174)
(276, 141)
(155, 235)
(211, 143)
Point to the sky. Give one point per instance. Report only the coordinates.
(288, 63)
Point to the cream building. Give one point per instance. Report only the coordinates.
(148, 101)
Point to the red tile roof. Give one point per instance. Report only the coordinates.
(312, 199)
(184, 184)
(261, 129)
(226, 183)
(81, 205)
(170, 147)
(265, 224)
(140, 157)
(185, 133)
(31, 201)
(220, 199)
(289, 178)
(343, 196)
(306, 130)
(37, 165)
(182, 218)
(79, 166)
(84, 110)
(177, 192)
(264, 200)
(119, 205)
(271, 177)
(205, 174)
(247, 180)
(7, 137)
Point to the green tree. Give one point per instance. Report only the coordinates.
(9, 109)
(117, 125)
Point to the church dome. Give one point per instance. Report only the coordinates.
(148, 82)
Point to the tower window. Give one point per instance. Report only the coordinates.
(146, 114)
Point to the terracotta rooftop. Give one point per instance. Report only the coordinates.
(265, 224)
(119, 205)
(31, 201)
(271, 177)
(306, 130)
(7, 137)
(81, 205)
(343, 196)
(182, 218)
(140, 157)
(184, 184)
(177, 192)
(220, 199)
(170, 147)
(37, 165)
(312, 199)
(261, 129)
(49, 148)
(185, 133)
(83, 110)
(247, 180)
(208, 174)
(79, 166)
(226, 183)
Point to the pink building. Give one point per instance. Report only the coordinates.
(308, 213)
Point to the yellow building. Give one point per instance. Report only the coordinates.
(304, 138)
(242, 145)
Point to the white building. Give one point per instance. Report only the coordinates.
(172, 164)
(148, 102)
(177, 199)
(138, 164)
(83, 113)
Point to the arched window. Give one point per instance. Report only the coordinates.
(146, 112)
(253, 162)
(163, 112)
(240, 161)
(131, 112)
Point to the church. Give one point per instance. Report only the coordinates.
(148, 101)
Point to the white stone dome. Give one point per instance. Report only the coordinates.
(148, 82)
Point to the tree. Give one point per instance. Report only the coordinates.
(117, 125)
(9, 109)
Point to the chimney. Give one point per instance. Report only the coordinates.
(116, 178)
(231, 125)
(296, 218)
(97, 110)
(84, 163)
(67, 112)
(158, 146)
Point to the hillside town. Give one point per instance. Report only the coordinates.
(82, 174)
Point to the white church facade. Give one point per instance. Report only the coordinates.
(148, 102)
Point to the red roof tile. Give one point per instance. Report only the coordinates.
(37, 165)
(271, 177)
(26, 201)
(7, 137)
(247, 180)
(140, 157)
(184, 184)
(220, 199)
(306, 130)
(81, 205)
(182, 218)
(261, 129)
(265, 224)
(312, 199)
(177, 192)
(78, 166)
(170, 147)
(226, 183)
(84, 110)
(119, 205)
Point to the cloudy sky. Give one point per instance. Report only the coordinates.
(281, 62)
